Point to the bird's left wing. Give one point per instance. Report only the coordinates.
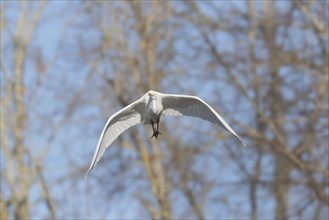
(116, 125)
(180, 105)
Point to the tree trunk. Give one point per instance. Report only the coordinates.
(276, 105)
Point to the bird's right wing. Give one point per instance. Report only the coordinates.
(180, 105)
(116, 125)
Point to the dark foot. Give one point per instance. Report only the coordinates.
(156, 134)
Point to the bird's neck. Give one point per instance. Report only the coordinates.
(155, 106)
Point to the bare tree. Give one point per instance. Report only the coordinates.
(264, 69)
(18, 174)
(262, 65)
(275, 78)
(23, 170)
(138, 62)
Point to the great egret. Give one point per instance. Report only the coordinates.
(148, 110)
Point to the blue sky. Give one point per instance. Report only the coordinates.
(74, 143)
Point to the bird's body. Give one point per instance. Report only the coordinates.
(153, 108)
(148, 110)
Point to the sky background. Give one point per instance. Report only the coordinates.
(67, 41)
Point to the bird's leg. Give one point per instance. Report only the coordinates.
(154, 131)
(157, 131)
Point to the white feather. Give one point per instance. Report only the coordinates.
(119, 122)
(149, 108)
(183, 105)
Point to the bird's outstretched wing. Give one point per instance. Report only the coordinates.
(180, 105)
(116, 125)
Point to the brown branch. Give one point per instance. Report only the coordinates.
(319, 27)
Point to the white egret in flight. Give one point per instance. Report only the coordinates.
(148, 110)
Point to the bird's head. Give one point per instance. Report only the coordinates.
(151, 93)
